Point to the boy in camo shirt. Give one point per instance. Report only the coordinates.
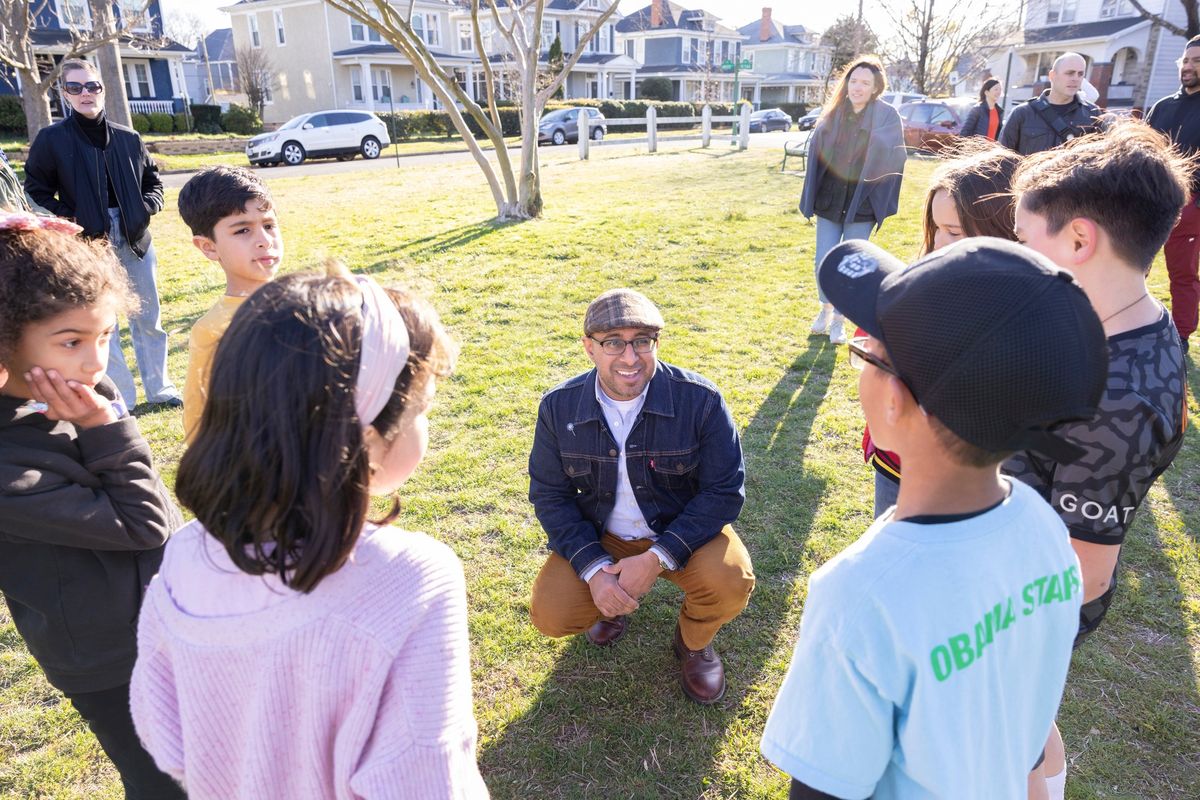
(1102, 207)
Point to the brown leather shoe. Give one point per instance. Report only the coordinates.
(606, 632)
(702, 674)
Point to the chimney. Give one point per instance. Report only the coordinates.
(764, 28)
(656, 13)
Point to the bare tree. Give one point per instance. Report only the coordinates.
(257, 75)
(1191, 10)
(108, 59)
(934, 34)
(849, 36)
(37, 74)
(184, 27)
(516, 192)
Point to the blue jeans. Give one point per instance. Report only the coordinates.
(145, 326)
(829, 235)
(886, 492)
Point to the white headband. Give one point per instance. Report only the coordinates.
(384, 351)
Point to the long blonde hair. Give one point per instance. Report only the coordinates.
(840, 92)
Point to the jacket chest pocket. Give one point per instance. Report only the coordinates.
(677, 470)
(581, 470)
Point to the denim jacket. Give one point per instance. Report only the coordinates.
(683, 456)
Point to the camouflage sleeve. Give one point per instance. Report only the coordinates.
(1127, 446)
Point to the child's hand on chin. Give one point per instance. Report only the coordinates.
(69, 401)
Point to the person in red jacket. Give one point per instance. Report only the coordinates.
(968, 196)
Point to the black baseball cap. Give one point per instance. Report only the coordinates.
(991, 338)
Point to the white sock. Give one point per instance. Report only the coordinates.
(1056, 785)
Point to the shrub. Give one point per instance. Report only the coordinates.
(239, 119)
(656, 89)
(206, 115)
(141, 123)
(208, 127)
(179, 122)
(794, 110)
(160, 122)
(12, 116)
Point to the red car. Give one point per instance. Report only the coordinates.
(930, 125)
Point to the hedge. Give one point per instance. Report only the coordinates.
(141, 123)
(179, 122)
(239, 119)
(404, 125)
(160, 122)
(206, 115)
(12, 116)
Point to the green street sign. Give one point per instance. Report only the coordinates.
(727, 65)
(746, 63)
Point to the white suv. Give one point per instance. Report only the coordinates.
(343, 134)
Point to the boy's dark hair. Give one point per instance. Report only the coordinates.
(963, 452)
(218, 192)
(1129, 180)
(278, 470)
(978, 177)
(44, 273)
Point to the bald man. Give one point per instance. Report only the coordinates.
(1058, 115)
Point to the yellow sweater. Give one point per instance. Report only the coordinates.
(202, 343)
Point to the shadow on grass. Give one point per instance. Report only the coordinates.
(1131, 706)
(614, 723)
(448, 239)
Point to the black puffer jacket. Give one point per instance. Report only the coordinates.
(1027, 131)
(976, 123)
(65, 175)
(83, 520)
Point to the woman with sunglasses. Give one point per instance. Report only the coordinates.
(99, 175)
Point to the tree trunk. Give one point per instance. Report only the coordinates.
(529, 185)
(108, 59)
(34, 103)
(1142, 89)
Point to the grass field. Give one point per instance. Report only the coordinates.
(714, 238)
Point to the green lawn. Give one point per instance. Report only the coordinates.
(714, 238)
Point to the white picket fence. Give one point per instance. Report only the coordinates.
(706, 120)
(151, 107)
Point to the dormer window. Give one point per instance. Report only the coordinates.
(74, 14)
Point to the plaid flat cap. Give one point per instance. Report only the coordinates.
(621, 308)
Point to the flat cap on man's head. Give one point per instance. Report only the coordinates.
(621, 308)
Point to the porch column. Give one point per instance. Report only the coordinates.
(368, 93)
(792, 93)
(632, 85)
(1101, 78)
(470, 82)
(758, 94)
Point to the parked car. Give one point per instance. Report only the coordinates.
(898, 99)
(809, 120)
(562, 126)
(321, 134)
(770, 119)
(930, 125)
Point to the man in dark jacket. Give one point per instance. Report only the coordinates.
(636, 472)
(99, 174)
(1058, 115)
(1178, 116)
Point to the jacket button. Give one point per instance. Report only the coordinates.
(612, 453)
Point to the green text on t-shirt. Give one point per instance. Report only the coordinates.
(964, 649)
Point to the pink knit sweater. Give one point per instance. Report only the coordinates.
(359, 689)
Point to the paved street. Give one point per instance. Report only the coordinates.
(775, 139)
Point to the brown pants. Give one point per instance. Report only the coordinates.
(716, 583)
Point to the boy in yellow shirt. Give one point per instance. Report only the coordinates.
(232, 218)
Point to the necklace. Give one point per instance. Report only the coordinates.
(1143, 296)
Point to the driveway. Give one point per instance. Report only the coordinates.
(775, 139)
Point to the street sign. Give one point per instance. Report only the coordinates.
(727, 65)
(746, 63)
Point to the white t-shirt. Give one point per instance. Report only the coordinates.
(932, 657)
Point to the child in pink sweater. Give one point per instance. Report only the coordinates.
(289, 646)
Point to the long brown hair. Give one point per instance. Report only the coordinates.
(840, 90)
(978, 177)
(278, 472)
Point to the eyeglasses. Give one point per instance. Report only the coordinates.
(91, 87)
(615, 347)
(860, 357)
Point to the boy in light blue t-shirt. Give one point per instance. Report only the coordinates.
(933, 651)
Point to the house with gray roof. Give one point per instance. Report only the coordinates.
(793, 64)
(211, 70)
(1130, 61)
(689, 48)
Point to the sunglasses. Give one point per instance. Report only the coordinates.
(91, 87)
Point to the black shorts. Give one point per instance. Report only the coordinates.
(1093, 611)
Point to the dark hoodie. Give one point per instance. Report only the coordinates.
(83, 520)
